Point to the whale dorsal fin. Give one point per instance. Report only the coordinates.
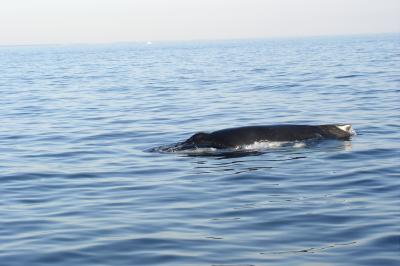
(346, 128)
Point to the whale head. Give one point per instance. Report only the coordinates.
(198, 140)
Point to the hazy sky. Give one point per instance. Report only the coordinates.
(91, 21)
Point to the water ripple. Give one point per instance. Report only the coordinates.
(78, 186)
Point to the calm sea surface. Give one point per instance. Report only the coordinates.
(79, 187)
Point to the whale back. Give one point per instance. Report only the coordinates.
(239, 136)
(233, 137)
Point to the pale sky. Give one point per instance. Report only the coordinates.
(99, 21)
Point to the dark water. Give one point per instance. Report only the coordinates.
(78, 186)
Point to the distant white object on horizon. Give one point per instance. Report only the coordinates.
(149, 43)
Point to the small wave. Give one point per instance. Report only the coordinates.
(348, 76)
(312, 249)
(174, 148)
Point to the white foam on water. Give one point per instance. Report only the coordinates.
(256, 146)
(262, 145)
(299, 145)
(197, 151)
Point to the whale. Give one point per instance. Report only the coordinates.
(247, 135)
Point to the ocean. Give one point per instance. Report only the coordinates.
(79, 184)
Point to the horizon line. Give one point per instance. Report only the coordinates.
(200, 39)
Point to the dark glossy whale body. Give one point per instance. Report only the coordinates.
(239, 136)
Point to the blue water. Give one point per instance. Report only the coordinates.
(79, 187)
